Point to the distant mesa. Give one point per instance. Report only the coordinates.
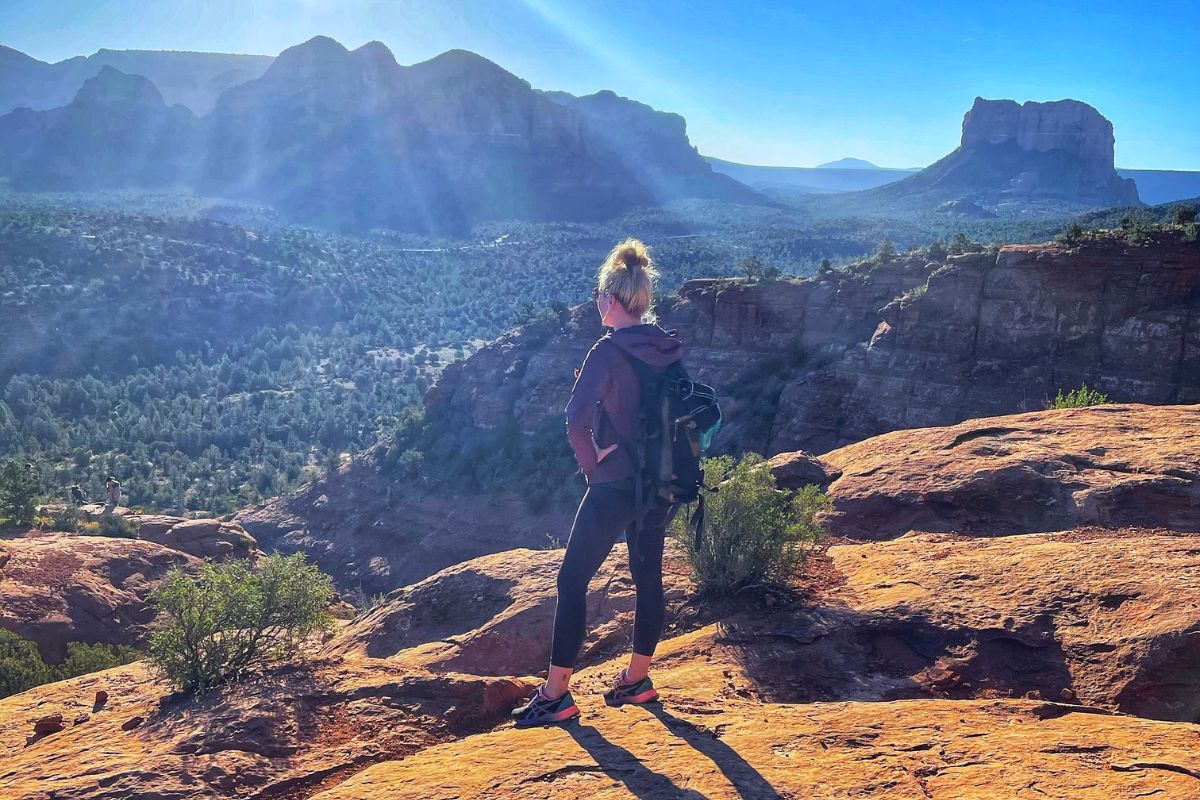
(1057, 154)
(847, 163)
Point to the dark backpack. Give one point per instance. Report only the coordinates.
(677, 419)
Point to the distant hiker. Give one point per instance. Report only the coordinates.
(604, 412)
(77, 497)
(113, 487)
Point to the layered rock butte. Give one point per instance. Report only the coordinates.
(814, 364)
(979, 660)
(1014, 155)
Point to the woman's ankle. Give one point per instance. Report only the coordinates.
(629, 680)
(545, 694)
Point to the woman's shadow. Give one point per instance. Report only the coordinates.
(622, 765)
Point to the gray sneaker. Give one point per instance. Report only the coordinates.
(637, 693)
(541, 710)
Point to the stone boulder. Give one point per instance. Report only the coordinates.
(1107, 465)
(61, 588)
(203, 538)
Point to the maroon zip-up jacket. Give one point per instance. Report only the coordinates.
(608, 379)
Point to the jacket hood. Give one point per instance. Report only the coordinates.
(649, 342)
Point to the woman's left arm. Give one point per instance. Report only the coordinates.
(589, 390)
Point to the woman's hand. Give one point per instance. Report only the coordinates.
(600, 454)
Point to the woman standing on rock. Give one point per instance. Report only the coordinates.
(604, 410)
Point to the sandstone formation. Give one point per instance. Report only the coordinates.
(1107, 465)
(937, 667)
(60, 588)
(116, 133)
(729, 749)
(192, 79)
(1098, 616)
(492, 615)
(203, 538)
(1068, 127)
(279, 736)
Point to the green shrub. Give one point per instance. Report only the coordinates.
(18, 487)
(1073, 236)
(61, 519)
(118, 527)
(230, 618)
(961, 243)
(1185, 215)
(754, 533)
(885, 253)
(83, 658)
(22, 667)
(363, 602)
(1078, 398)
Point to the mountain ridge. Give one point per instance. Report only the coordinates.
(435, 146)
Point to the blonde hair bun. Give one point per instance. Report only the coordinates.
(631, 254)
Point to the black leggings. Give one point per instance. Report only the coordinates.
(605, 511)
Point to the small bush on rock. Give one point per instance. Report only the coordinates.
(1078, 398)
(754, 533)
(230, 618)
(118, 527)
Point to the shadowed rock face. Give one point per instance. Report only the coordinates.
(857, 353)
(116, 133)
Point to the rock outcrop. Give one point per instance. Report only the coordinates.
(59, 588)
(203, 538)
(374, 532)
(1107, 465)
(994, 334)
(855, 353)
(283, 735)
(1097, 616)
(943, 666)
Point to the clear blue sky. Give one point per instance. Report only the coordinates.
(759, 82)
